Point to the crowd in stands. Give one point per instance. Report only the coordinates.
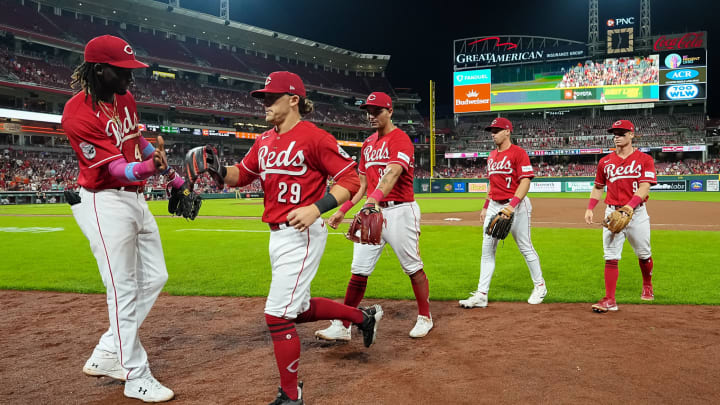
(612, 72)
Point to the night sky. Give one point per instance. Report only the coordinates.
(419, 34)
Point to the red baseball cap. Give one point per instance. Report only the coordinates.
(113, 51)
(378, 99)
(281, 82)
(622, 124)
(500, 122)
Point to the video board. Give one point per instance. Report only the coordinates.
(616, 80)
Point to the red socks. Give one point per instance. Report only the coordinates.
(421, 288)
(355, 292)
(287, 352)
(611, 276)
(646, 266)
(323, 308)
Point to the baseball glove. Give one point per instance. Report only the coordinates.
(366, 227)
(203, 159)
(618, 219)
(184, 203)
(500, 224)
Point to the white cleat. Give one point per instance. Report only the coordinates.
(476, 300)
(104, 364)
(335, 332)
(422, 327)
(148, 389)
(538, 294)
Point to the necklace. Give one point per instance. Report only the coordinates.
(111, 114)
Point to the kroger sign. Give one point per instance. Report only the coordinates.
(682, 74)
(682, 92)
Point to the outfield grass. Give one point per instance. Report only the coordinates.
(213, 256)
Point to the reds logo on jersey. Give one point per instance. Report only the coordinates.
(381, 153)
(502, 167)
(128, 130)
(631, 171)
(282, 162)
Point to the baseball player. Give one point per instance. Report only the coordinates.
(509, 174)
(628, 175)
(293, 161)
(386, 168)
(101, 122)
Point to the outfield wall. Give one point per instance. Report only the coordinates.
(688, 183)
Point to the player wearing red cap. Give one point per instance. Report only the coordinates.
(628, 175)
(386, 167)
(509, 174)
(293, 161)
(101, 122)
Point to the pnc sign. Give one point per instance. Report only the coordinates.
(680, 41)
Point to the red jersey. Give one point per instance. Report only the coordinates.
(98, 140)
(622, 176)
(505, 170)
(293, 167)
(379, 151)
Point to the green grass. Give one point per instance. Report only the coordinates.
(214, 256)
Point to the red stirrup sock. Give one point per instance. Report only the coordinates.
(646, 266)
(287, 352)
(611, 276)
(355, 292)
(323, 308)
(421, 288)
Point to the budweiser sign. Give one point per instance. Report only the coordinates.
(681, 41)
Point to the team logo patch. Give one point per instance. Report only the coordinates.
(342, 152)
(267, 81)
(527, 168)
(87, 150)
(650, 174)
(128, 50)
(371, 97)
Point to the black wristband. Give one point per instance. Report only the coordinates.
(223, 171)
(326, 203)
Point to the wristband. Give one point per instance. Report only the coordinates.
(514, 202)
(346, 206)
(223, 171)
(592, 203)
(487, 204)
(377, 195)
(326, 203)
(635, 201)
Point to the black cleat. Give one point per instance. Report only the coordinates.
(371, 317)
(283, 399)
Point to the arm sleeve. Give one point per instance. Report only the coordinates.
(526, 169)
(146, 147)
(131, 172)
(401, 152)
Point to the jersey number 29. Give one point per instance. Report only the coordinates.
(294, 193)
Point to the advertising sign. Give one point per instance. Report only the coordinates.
(713, 185)
(496, 51)
(689, 91)
(684, 75)
(579, 186)
(459, 187)
(683, 58)
(546, 187)
(680, 41)
(478, 187)
(670, 185)
(471, 90)
(696, 185)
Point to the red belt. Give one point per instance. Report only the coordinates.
(131, 189)
(386, 204)
(615, 207)
(503, 202)
(279, 226)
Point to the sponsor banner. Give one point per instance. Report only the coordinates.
(579, 186)
(679, 42)
(684, 75)
(713, 185)
(690, 91)
(166, 75)
(258, 194)
(546, 187)
(473, 98)
(459, 187)
(670, 185)
(495, 51)
(690, 148)
(463, 155)
(478, 187)
(468, 77)
(683, 58)
(696, 185)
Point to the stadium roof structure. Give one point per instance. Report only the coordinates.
(183, 22)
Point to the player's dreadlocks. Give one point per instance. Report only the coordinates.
(85, 79)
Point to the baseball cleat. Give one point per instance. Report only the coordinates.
(422, 327)
(647, 293)
(104, 364)
(538, 294)
(476, 300)
(283, 399)
(148, 389)
(371, 317)
(604, 305)
(335, 332)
